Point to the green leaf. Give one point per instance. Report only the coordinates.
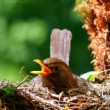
(90, 75)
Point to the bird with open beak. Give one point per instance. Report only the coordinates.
(56, 74)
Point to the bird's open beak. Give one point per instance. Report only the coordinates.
(45, 70)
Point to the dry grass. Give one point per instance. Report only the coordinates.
(29, 96)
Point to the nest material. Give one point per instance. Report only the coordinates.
(31, 97)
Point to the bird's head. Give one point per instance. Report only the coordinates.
(51, 66)
(55, 71)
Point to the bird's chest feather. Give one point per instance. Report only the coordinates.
(59, 80)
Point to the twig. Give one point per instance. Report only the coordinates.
(22, 81)
(103, 104)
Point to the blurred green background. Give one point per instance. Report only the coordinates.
(25, 28)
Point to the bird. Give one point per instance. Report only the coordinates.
(57, 75)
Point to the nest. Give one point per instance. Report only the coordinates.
(29, 96)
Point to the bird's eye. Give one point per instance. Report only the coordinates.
(56, 68)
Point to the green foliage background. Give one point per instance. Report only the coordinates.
(25, 28)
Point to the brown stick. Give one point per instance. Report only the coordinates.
(61, 44)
